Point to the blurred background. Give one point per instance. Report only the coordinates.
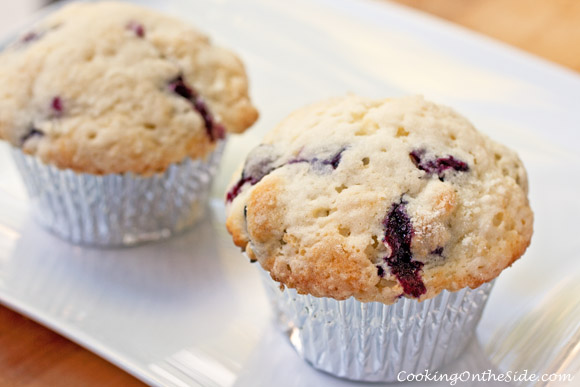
(548, 28)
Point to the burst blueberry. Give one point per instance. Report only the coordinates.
(57, 105)
(255, 171)
(214, 130)
(398, 235)
(137, 28)
(319, 164)
(437, 166)
(257, 166)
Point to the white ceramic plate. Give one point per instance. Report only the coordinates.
(191, 311)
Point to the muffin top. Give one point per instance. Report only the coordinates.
(111, 87)
(380, 199)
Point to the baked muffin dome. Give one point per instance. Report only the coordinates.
(379, 199)
(111, 87)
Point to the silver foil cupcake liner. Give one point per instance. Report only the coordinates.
(373, 341)
(118, 209)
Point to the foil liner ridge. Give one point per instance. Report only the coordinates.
(373, 341)
(117, 209)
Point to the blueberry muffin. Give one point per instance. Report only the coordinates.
(117, 115)
(112, 88)
(380, 224)
(378, 200)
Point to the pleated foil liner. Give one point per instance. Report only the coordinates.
(118, 209)
(372, 341)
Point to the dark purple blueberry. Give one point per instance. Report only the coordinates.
(398, 230)
(30, 37)
(259, 163)
(179, 87)
(33, 132)
(137, 28)
(219, 130)
(334, 160)
(380, 271)
(56, 105)
(398, 234)
(416, 156)
(214, 130)
(438, 165)
(319, 164)
(237, 188)
(298, 161)
(438, 251)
